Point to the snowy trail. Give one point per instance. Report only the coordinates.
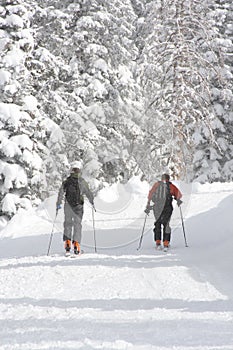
(98, 278)
(121, 298)
(99, 301)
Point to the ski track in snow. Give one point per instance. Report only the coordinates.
(122, 298)
(99, 301)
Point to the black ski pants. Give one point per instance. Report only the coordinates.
(162, 229)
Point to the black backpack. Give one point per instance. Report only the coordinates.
(72, 191)
(162, 196)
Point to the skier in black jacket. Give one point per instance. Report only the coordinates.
(74, 188)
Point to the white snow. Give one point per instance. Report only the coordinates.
(10, 113)
(13, 173)
(125, 76)
(30, 103)
(120, 297)
(11, 200)
(98, 88)
(15, 21)
(23, 141)
(9, 148)
(4, 77)
(102, 65)
(14, 58)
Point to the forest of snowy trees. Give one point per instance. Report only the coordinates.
(130, 87)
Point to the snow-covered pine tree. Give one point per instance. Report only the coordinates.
(180, 61)
(21, 166)
(93, 94)
(122, 85)
(221, 14)
(49, 74)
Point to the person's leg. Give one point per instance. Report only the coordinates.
(157, 233)
(167, 234)
(77, 230)
(68, 224)
(165, 219)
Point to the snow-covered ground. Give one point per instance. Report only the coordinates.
(121, 297)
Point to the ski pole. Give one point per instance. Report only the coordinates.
(93, 221)
(182, 221)
(51, 235)
(140, 241)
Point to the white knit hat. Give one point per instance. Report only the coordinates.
(76, 164)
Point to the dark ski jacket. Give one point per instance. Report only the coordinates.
(74, 188)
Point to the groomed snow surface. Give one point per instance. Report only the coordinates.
(120, 297)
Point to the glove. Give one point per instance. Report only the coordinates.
(179, 202)
(58, 206)
(147, 210)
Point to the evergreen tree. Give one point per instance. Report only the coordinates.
(97, 98)
(221, 15)
(21, 166)
(129, 87)
(181, 61)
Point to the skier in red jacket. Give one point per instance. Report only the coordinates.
(162, 194)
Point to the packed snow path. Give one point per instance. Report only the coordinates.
(121, 298)
(111, 302)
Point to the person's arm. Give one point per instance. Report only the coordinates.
(150, 194)
(152, 190)
(175, 192)
(84, 189)
(60, 196)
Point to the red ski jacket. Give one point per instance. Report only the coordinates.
(173, 190)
